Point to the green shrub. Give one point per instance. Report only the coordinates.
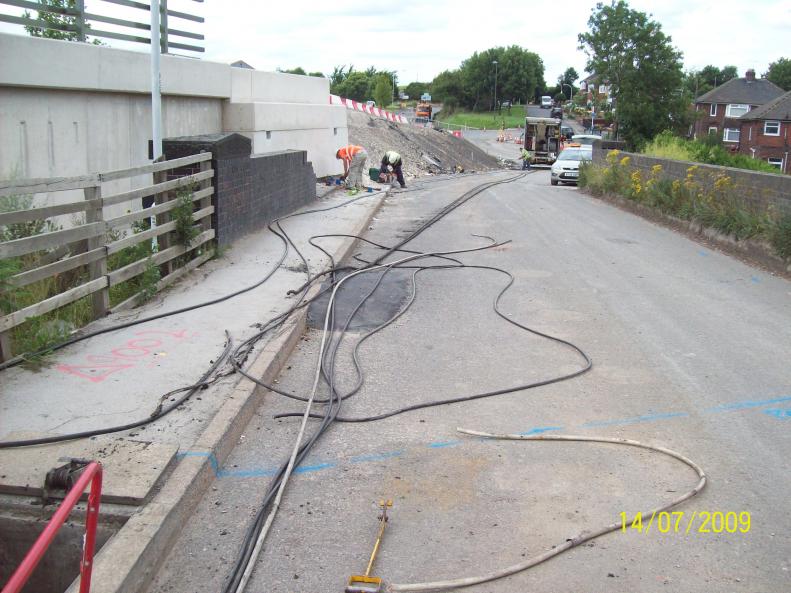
(709, 151)
(780, 236)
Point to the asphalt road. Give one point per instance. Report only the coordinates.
(690, 351)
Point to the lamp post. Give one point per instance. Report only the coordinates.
(571, 89)
(495, 83)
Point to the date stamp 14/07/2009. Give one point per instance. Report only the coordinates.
(683, 522)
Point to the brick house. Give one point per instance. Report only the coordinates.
(595, 88)
(721, 108)
(766, 132)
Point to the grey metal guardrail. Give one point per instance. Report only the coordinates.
(79, 23)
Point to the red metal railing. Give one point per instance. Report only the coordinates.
(92, 474)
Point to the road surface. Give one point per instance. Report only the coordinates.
(690, 350)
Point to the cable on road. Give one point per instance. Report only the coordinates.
(158, 413)
(569, 543)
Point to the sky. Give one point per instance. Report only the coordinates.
(419, 38)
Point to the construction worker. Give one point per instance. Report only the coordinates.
(393, 160)
(525, 155)
(353, 158)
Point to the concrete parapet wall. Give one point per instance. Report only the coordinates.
(758, 191)
(71, 108)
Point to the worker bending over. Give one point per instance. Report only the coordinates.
(353, 158)
(393, 160)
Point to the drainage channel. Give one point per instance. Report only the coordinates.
(133, 470)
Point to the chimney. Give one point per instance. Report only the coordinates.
(750, 75)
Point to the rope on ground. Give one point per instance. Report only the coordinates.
(571, 542)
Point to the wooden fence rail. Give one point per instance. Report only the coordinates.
(89, 245)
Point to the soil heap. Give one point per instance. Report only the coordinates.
(425, 151)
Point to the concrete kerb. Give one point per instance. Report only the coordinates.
(128, 562)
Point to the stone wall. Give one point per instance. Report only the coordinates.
(758, 191)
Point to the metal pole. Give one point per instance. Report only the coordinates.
(81, 21)
(163, 45)
(495, 84)
(156, 98)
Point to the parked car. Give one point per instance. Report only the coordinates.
(370, 103)
(505, 104)
(567, 132)
(566, 169)
(557, 112)
(585, 139)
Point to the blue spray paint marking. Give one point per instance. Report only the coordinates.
(703, 253)
(212, 459)
(376, 457)
(249, 473)
(755, 279)
(441, 444)
(778, 413)
(636, 419)
(746, 404)
(539, 430)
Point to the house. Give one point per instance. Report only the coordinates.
(242, 64)
(766, 132)
(721, 108)
(594, 88)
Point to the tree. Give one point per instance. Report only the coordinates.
(317, 74)
(702, 81)
(59, 19)
(780, 73)
(628, 50)
(568, 78)
(446, 87)
(383, 91)
(415, 89)
(297, 70)
(518, 73)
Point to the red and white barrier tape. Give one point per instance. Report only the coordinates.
(375, 111)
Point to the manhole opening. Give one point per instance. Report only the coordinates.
(60, 565)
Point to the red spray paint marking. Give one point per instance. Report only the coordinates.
(129, 355)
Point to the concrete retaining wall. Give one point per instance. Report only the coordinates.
(758, 191)
(72, 108)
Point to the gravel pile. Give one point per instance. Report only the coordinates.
(424, 151)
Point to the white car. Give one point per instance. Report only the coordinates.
(585, 139)
(566, 169)
(546, 102)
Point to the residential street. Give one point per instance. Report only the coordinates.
(690, 351)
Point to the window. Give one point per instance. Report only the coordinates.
(713, 130)
(775, 162)
(713, 109)
(736, 110)
(730, 135)
(771, 128)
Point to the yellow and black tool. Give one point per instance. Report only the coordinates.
(365, 583)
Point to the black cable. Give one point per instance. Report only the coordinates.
(158, 413)
(44, 351)
(440, 402)
(330, 413)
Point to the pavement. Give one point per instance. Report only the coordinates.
(120, 377)
(690, 351)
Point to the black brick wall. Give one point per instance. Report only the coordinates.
(250, 190)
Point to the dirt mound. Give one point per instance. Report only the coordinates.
(423, 150)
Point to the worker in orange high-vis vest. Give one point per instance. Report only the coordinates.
(353, 158)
